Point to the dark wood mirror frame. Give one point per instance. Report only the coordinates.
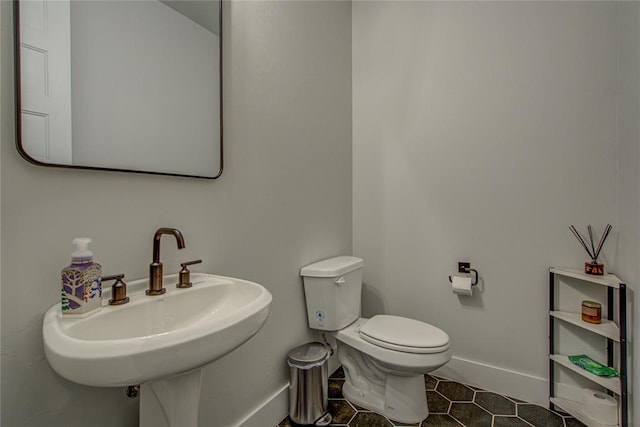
(18, 106)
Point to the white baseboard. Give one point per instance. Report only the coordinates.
(522, 386)
(270, 412)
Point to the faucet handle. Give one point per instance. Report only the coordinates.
(118, 289)
(184, 277)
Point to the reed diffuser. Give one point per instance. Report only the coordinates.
(592, 250)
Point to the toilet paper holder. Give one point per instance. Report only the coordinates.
(465, 267)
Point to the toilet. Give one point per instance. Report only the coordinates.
(385, 357)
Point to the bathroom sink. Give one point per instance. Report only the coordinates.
(155, 337)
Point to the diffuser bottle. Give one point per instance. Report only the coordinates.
(81, 287)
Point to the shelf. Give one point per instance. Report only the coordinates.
(575, 409)
(610, 383)
(615, 333)
(607, 328)
(606, 280)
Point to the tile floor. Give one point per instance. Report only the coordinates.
(451, 404)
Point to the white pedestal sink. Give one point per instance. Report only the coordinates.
(160, 342)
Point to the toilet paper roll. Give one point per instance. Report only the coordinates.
(600, 407)
(461, 285)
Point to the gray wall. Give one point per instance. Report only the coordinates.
(482, 130)
(536, 148)
(284, 200)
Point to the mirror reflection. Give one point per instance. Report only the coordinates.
(124, 85)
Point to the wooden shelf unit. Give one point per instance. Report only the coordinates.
(614, 332)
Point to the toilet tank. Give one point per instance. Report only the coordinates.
(332, 289)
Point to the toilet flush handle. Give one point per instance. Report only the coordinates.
(339, 281)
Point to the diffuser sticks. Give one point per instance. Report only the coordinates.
(592, 250)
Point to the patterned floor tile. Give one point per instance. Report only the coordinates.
(495, 403)
(470, 414)
(369, 419)
(454, 391)
(400, 424)
(451, 404)
(338, 374)
(440, 420)
(539, 416)
(341, 411)
(437, 403)
(499, 421)
(430, 382)
(335, 389)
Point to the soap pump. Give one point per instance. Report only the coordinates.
(81, 285)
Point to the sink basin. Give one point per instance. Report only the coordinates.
(155, 337)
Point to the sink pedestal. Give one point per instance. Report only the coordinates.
(171, 402)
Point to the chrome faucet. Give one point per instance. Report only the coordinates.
(155, 268)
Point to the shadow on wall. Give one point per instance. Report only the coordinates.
(372, 303)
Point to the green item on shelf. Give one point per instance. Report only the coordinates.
(590, 365)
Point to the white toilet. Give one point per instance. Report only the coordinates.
(385, 357)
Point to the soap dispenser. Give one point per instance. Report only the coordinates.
(81, 285)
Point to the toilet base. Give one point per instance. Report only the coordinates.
(399, 398)
(397, 404)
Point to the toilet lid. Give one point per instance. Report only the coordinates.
(402, 334)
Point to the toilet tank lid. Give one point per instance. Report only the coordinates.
(332, 267)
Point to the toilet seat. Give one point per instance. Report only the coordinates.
(405, 335)
(400, 361)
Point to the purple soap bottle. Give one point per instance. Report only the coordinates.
(81, 287)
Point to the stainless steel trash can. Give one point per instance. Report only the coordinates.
(309, 384)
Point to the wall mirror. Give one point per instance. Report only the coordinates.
(130, 85)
